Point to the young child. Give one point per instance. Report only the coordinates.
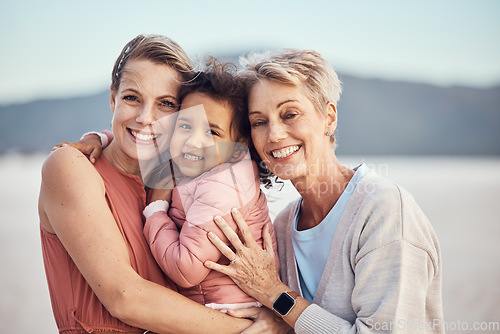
(209, 148)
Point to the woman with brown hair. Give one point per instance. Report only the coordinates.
(100, 271)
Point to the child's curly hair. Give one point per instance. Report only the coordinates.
(220, 82)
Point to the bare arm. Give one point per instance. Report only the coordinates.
(73, 206)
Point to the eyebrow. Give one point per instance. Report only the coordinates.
(131, 90)
(277, 106)
(212, 125)
(165, 96)
(284, 102)
(158, 98)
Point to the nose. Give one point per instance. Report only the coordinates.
(276, 132)
(146, 115)
(196, 140)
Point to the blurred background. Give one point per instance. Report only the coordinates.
(421, 106)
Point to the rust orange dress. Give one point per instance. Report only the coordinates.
(75, 306)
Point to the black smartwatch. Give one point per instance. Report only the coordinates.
(285, 302)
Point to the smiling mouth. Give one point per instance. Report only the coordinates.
(285, 152)
(141, 136)
(191, 157)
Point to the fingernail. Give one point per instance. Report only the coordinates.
(234, 210)
(218, 219)
(211, 235)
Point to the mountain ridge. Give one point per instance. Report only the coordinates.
(376, 116)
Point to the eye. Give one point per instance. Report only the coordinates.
(257, 123)
(168, 104)
(213, 133)
(131, 98)
(290, 115)
(185, 126)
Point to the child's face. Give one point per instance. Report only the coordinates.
(202, 137)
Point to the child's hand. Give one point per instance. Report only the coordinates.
(161, 194)
(90, 145)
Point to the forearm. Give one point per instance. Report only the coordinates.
(153, 307)
(181, 258)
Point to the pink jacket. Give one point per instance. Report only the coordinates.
(179, 241)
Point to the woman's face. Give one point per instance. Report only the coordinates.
(287, 130)
(144, 108)
(202, 137)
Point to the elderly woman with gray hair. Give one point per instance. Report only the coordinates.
(357, 254)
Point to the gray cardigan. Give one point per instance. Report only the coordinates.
(383, 273)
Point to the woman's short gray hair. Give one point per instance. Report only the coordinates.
(294, 66)
(297, 67)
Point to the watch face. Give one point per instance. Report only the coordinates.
(284, 304)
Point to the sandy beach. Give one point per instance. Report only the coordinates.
(458, 194)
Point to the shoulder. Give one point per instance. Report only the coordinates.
(68, 167)
(382, 212)
(376, 190)
(376, 197)
(236, 179)
(65, 157)
(385, 200)
(242, 172)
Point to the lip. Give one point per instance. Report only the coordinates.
(142, 137)
(286, 151)
(191, 158)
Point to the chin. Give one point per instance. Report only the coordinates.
(189, 172)
(289, 171)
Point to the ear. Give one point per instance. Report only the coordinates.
(112, 97)
(331, 118)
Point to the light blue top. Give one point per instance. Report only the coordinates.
(312, 246)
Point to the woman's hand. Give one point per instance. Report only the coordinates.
(252, 268)
(90, 145)
(265, 320)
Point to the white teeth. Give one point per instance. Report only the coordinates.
(285, 152)
(192, 157)
(141, 136)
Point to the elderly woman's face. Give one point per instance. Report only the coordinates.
(287, 131)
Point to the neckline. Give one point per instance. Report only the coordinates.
(136, 178)
(359, 172)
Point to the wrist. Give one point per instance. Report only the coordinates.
(103, 137)
(285, 303)
(155, 206)
(274, 293)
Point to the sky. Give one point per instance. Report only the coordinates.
(51, 49)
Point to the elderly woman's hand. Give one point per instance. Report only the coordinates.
(252, 268)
